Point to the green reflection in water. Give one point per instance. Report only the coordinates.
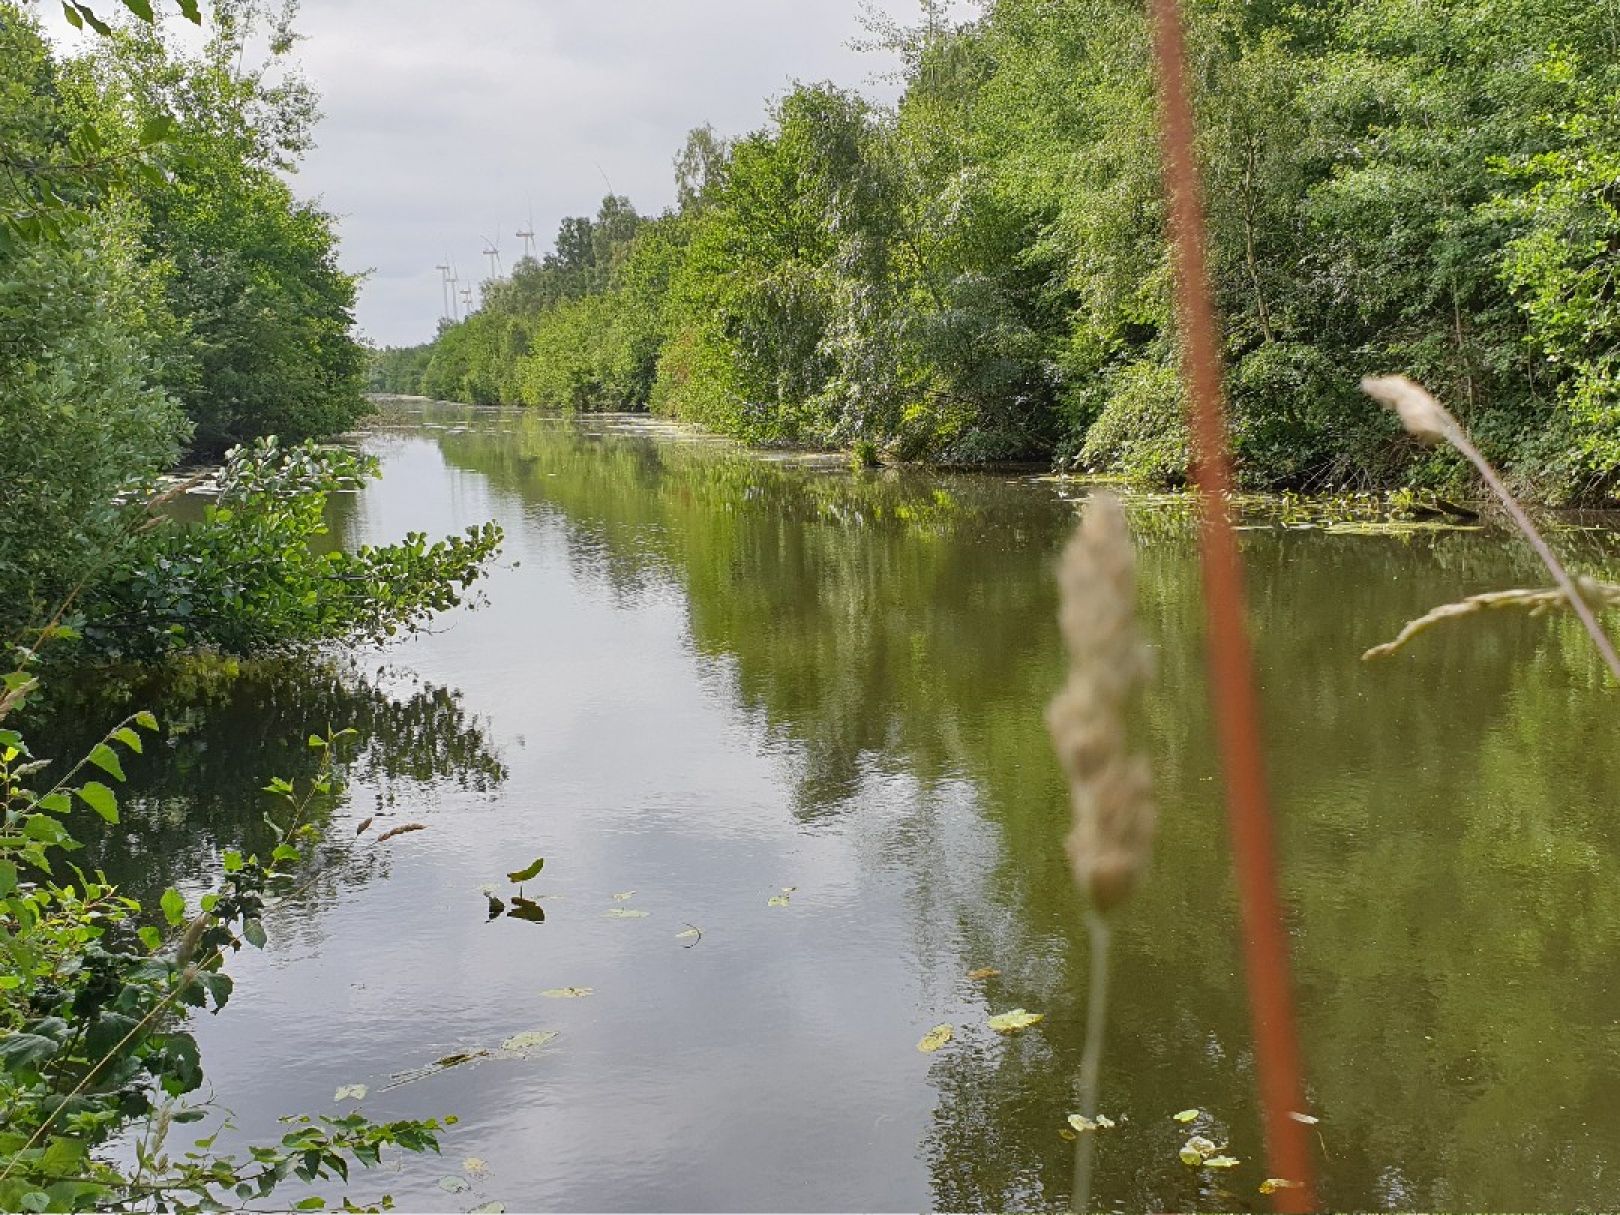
(1447, 820)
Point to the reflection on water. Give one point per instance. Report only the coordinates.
(707, 676)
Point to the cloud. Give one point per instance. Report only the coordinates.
(447, 123)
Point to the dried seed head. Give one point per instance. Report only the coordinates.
(1109, 789)
(1424, 418)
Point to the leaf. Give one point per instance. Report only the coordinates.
(1012, 1022)
(350, 1092)
(129, 738)
(984, 972)
(174, 906)
(1272, 1184)
(626, 913)
(146, 721)
(150, 937)
(474, 1165)
(527, 872)
(1102, 1122)
(532, 1039)
(526, 909)
(253, 933)
(364, 823)
(568, 993)
(101, 799)
(778, 900)
(1190, 1158)
(451, 1184)
(625, 894)
(156, 129)
(1305, 1118)
(105, 758)
(408, 827)
(490, 1208)
(1221, 1162)
(1186, 1116)
(313, 1203)
(935, 1038)
(233, 861)
(688, 934)
(20, 1050)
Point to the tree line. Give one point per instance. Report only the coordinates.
(980, 271)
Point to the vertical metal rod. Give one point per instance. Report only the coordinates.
(1231, 669)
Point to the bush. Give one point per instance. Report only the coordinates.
(1142, 429)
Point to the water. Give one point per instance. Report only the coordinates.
(705, 676)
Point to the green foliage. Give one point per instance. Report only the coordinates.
(92, 1000)
(981, 272)
(253, 573)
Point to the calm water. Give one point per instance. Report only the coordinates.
(705, 676)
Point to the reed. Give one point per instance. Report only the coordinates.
(1428, 421)
(1110, 789)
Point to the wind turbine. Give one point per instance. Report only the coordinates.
(444, 289)
(455, 281)
(466, 298)
(492, 250)
(526, 235)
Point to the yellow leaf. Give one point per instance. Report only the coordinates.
(1186, 1116)
(778, 900)
(935, 1038)
(1017, 1019)
(1066, 1133)
(1102, 1122)
(1272, 1184)
(1222, 1162)
(625, 894)
(568, 993)
(474, 1165)
(984, 972)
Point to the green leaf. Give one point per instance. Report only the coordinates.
(146, 721)
(101, 799)
(129, 738)
(105, 758)
(191, 10)
(1012, 1022)
(1222, 1162)
(528, 872)
(935, 1038)
(156, 129)
(317, 742)
(1082, 1124)
(150, 937)
(8, 878)
(533, 1039)
(233, 861)
(55, 802)
(22, 1050)
(312, 1203)
(141, 8)
(174, 906)
(253, 931)
(451, 1184)
(350, 1092)
(1186, 1116)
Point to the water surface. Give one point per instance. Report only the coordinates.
(706, 676)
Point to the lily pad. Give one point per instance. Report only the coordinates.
(690, 934)
(529, 1040)
(350, 1092)
(474, 1165)
(1222, 1162)
(625, 894)
(778, 900)
(935, 1038)
(1186, 1116)
(451, 1184)
(568, 993)
(1197, 1150)
(489, 1208)
(1017, 1019)
(626, 913)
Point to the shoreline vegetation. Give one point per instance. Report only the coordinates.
(980, 272)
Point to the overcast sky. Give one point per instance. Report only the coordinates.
(446, 120)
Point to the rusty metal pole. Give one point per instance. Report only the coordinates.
(1231, 668)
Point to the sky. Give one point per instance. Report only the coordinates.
(447, 121)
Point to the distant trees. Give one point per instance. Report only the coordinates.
(981, 271)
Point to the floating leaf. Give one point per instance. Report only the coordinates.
(443, 1063)
(935, 1038)
(1102, 1122)
(1222, 1162)
(475, 1165)
(490, 1208)
(496, 907)
(778, 900)
(1066, 1134)
(525, 909)
(626, 913)
(355, 1092)
(1197, 1150)
(984, 972)
(528, 871)
(364, 823)
(388, 835)
(568, 993)
(689, 934)
(1186, 1116)
(532, 1039)
(625, 894)
(1305, 1118)
(451, 1184)
(1272, 1184)
(1190, 1158)
(1017, 1019)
